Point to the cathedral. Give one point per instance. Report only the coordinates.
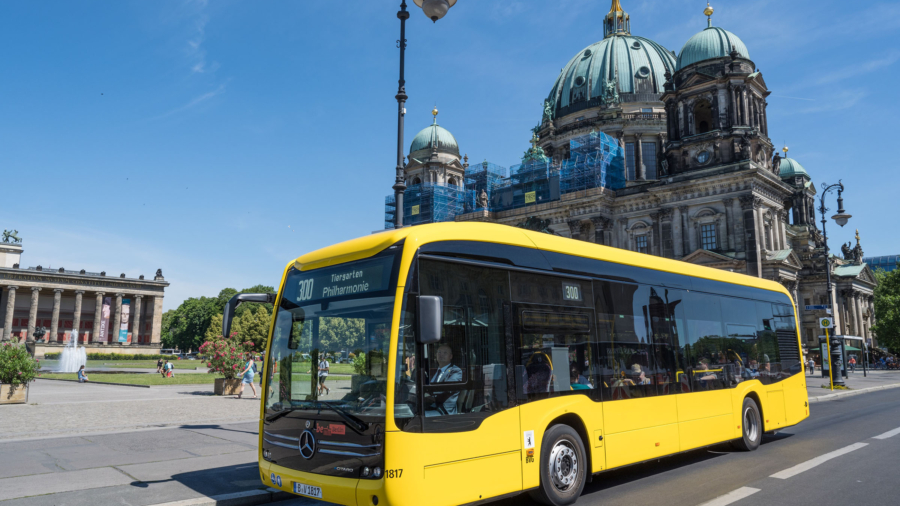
(690, 172)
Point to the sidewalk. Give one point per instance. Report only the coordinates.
(856, 382)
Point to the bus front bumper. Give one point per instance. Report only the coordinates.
(345, 491)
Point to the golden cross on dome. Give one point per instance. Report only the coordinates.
(534, 140)
(709, 12)
(857, 237)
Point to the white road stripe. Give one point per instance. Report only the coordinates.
(890, 433)
(809, 464)
(730, 497)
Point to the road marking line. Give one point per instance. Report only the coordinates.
(890, 433)
(731, 497)
(809, 464)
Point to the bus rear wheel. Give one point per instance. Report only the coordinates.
(751, 427)
(563, 467)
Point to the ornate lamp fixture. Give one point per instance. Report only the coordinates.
(435, 9)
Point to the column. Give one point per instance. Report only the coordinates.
(10, 308)
(76, 325)
(761, 228)
(600, 226)
(685, 232)
(157, 320)
(676, 234)
(136, 319)
(750, 204)
(575, 229)
(639, 172)
(728, 243)
(621, 234)
(54, 320)
(857, 306)
(117, 319)
(32, 313)
(655, 246)
(782, 234)
(96, 335)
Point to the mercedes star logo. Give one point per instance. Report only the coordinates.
(307, 444)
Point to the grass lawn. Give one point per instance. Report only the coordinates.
(146, 364)
(141, 379)
(333, 368)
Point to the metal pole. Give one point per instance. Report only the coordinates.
(831, 301)
(400, 181)
(830, 364)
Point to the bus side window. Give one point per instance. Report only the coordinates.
(628, 364)
(666, 317)
(765, 359)
(705, 344)
(739, 316)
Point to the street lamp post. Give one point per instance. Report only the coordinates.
(841, 219)
(435, 10)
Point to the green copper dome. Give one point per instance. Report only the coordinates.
(791, 168)
(620, 64)
(714, 42)
(437, 136)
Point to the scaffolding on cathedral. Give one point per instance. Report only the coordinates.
(596, 160)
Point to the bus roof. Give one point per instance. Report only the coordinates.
(364, 247)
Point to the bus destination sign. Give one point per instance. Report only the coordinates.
(357, 278)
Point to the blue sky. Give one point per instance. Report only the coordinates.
(218, 140)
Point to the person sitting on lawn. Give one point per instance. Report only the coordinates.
(82, 376)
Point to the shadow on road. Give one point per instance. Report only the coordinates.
(215, 481)
(628, 474)
(217, 427)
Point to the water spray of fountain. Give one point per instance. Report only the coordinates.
(73, 356)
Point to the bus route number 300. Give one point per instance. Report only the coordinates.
(306, 290)
(571, 291)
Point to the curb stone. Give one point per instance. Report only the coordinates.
(96, 382)
(832, 397)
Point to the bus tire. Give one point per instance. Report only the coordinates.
(751, 427)
(563, 467)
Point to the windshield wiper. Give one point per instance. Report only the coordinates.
(354, 422)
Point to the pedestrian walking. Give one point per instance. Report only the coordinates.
(82, 376)
(852, 363)
(812, 366)
(323, 375)
(262, 367)
(247, 378)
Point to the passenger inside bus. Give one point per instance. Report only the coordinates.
(577, 380)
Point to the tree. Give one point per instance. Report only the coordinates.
(167, 338)
(255, 327)
(887, 309)
(224, 296)
(336, 334)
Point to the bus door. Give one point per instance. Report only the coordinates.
(638, 376)
(555, 363)
(469, 420)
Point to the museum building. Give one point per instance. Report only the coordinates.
(104, 310)
(658, 152)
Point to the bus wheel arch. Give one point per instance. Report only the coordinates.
(574, 421)
(564, 463)
(752, 426)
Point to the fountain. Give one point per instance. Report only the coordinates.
(73, 356)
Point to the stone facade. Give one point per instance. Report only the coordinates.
(64, 301)
(703, 186)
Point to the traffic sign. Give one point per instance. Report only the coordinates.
(826, 323)
(818, 307)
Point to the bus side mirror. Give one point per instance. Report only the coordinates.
(231, 305)
(431, 318)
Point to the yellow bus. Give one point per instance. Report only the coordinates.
(488, 361)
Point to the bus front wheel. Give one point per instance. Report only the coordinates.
(563, 467)
(751, 427)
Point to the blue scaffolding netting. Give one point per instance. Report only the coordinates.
(595, 161)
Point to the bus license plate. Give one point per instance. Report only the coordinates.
(307, 490)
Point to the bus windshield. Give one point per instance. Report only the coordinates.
(330, 342)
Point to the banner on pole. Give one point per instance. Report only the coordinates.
(123, 328)
(103, 330)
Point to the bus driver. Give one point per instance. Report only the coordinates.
(446, 373)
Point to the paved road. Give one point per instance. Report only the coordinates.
(77, 462)
(867, 475)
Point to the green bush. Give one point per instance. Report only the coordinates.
(116, 356)
(17, 367)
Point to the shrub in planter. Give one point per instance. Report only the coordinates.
(17, 368)
(226, 356)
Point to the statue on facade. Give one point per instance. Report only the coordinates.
(847, 251)
(159, 273)
(537, 225)
(12, 236)
(857, 251)
(548, 110)
(664, 167)
(776, 164)
(610, 93)
(745, 146)
(483, 199)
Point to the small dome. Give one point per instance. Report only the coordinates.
(435, 135)
(711, 43)
(791, 168)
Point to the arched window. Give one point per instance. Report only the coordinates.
(703, 118)
(451, 182)
(417, 180)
